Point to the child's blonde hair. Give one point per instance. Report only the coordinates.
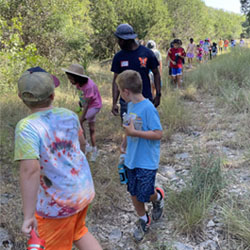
(131, 80)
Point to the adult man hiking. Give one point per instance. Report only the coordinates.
(136, 57)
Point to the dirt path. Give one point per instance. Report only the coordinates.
(211, 132)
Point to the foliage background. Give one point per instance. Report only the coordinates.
(53, 33)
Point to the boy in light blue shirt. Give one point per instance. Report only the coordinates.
(142, 147)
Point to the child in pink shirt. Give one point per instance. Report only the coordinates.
(199, 53)
(90, 102)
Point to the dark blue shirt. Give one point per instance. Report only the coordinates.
(141, 60)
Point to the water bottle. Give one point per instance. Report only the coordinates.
(35, 243)
(125, 119)
(122, 171)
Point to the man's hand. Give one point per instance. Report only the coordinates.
(129, 129)
(29, 224)
(157, 101)
(115, 110)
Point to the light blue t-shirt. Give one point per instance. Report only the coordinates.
(143, 153)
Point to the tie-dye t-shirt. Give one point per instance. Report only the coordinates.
(66, 184)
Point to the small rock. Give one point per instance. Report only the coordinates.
(195, 133)
(161, 180)
(209, 243)
(246, 178)
(115, 235)
(5, 241)
(210, 223)
(181, 246)
(182, 156)
(169, 172)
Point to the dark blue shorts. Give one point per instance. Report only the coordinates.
(141, 183)
(176, 71)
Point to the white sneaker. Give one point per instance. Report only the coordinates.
(88, 148)
(94, 155)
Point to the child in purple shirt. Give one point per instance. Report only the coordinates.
(90, 102)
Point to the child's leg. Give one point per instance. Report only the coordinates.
(88, 242)
(83, 130)
(175, 80)
(179, 81)
(139, 206)
(92, 133)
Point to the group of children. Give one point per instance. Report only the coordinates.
(203, 51)
(55, 177)
(50, 145)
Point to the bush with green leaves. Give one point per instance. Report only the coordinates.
(16, 57)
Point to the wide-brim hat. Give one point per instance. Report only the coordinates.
(125, 32)
(75, 69)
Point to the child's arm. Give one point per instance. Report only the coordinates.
(82, 141)
(123, 145)
(150, 135)
(29, 182)
(85, 109)
(167, 59)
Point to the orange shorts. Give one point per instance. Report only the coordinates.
(61, 233)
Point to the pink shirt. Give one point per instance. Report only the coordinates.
(199, 52)
(90, 91)
(191, 48)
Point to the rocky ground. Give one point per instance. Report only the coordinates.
(211, 131)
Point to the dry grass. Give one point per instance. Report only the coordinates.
(236, 218)
(190, 205)
(110, 195)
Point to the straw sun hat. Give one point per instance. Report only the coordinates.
(75, 69)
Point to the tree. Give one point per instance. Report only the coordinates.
(57, 27)
(104, 21)
(245, 7)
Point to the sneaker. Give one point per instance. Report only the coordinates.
(94, 155)
(141, 229)
(158, 205)
(88, 148)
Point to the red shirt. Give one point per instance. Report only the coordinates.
(172, 54)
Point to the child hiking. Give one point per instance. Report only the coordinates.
(90, 102)
(199, 53)
(152, 46)
(191, 52)
(206, 47)
(55, 178)
(221, 44)
(214, 50)
(142, 147)
(176, 56)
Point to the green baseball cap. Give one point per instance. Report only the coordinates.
(35, 86)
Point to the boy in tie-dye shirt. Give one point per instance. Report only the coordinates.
(56, 182)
